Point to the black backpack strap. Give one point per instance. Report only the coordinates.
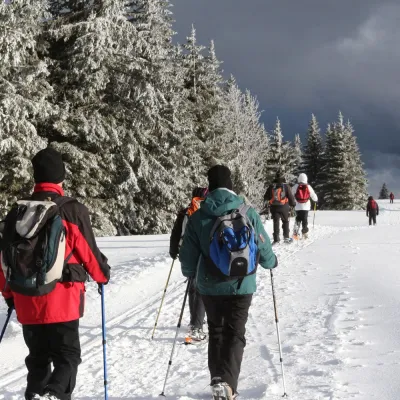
(68, 257)
(240, 281)
(62, 200)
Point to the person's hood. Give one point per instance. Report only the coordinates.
(302, 178)
(220, 202)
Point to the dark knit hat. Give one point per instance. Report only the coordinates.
(48, 166)
(279, 177)
(219, 176)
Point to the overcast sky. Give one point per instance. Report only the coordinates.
(306, 56)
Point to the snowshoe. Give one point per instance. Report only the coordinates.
(288, 240)
(296, 235)
(221, 390)
(195, 336)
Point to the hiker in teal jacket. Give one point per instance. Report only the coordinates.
(226, 302)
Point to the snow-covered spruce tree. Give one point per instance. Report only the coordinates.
(166, 162)
(332, 176)
(203, 87)
(23, 94)
(241, 141)
(91, 52)
(342, 179)
(295, 162)
(66, 7)
(357, 189)
(313, 152)
(193, 65)
(279, 157)
(384, 192)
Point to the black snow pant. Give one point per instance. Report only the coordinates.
(227, 317)
(372, 217)
(391, 200)
(52, 343)
(302, 220)
(196, 306)
(280, 213)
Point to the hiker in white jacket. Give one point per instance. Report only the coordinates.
(303, 192)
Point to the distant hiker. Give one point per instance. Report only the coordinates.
(302, 193)
(223, 243)
(47, 288)
(280, 199)
(196, 306)
(372, 210)
(391, 197)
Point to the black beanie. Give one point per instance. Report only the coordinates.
(48, 166)
(279, 178)
(219, 176)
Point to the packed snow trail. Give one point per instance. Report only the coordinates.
(338, 303)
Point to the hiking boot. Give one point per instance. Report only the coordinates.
(32, 396)
(198, 335)
(221, 390)
(288, 240)
(190, 331)
(49, 396)
(305, 235)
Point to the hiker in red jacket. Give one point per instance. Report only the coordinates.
(372, 210)
(391, 197)
(50, 322)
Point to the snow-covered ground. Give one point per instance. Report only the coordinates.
(339, 305)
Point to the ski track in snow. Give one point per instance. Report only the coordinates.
(326, 321)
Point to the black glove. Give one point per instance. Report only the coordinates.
(100, 287)
(10, 302)
(174, 256)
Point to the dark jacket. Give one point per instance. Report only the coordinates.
(196, 241)
(269, 194)
(372, 208)
(176, 234)
(66, 302)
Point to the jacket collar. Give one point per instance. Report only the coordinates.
(48, 187)
(226, 189)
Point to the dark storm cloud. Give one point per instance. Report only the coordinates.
(315, 56)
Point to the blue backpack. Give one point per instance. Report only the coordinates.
(233, 248)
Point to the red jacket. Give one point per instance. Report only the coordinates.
(66, 302)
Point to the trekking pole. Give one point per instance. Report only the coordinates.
(279, 336)
(9, 312)
(162, 299)
(176, 335)
(103, 325)
(315, 210)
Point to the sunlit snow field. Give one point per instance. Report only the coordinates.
(339, 305)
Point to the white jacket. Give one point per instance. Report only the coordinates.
(304, 206)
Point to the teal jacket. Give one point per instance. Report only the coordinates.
(195, 246)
